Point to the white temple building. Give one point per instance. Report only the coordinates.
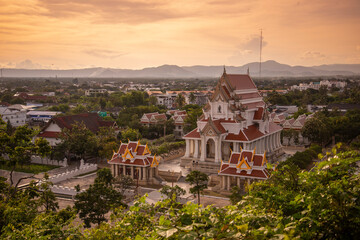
(234, 119)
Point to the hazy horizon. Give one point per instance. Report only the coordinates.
(74, 34)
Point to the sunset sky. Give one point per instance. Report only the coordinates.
(62, 34)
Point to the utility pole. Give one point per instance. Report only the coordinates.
(260, 52)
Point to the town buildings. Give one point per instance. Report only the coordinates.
(316, 85)
(153, 118)
(95, 92)
(234, 119)
(135, 160)
(179, 120)
(16, 117)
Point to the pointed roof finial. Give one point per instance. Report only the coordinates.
(224, 70)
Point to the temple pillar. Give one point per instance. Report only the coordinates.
(196, 151)
(203, 149)
(222, 182)
(151, 173)
(187, 152)
(228, 183)
(279, 139)
(217, 152)
(236, 147)
(132, 172)
(145, 173)
(124, 170)
(238, 182)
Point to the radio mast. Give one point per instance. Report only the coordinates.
(260, 52)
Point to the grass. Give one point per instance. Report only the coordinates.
(29, 168)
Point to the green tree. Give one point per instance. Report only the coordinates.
(78, 140)
(199, 180)
(192, 117)
(130, 134)
(47, 198)
(172, 193)
(192, 98)
(317, 129)
(123, 183)
(180, 101)
(98, 199)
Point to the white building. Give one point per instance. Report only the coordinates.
(91, 92)
(15, 116)
(234, 119)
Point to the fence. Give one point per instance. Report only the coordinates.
(64, 190)
(84, 168)
(47, 161)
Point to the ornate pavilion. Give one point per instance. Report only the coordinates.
(134, 160)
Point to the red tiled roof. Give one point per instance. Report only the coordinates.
(132, 146)
(218, 125)
(252, 132)
(193, 134)
(234, 158)
(273, 127)
(259, 113)
(247, 155)
(140, 150)
(237, 137)
(248, 95)
(122, 148)
(92, 121)
(240, 81)
(49, 134)
(258, 159)
(254, 105)
(255, 173)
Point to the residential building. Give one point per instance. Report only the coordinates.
(95, 92)
(41, 116)
(153, 118)
(179, 121)
(54, 127)
(15, 116)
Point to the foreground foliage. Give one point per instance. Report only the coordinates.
(323, 203)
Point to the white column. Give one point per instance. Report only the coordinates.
(187, 152)
(279, 139)
(203, 149)
(196, 152)
(217, 154)
(228, 183)
(238, 182)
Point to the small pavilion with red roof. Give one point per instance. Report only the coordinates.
(234, 118)
(134, 160)
(244, 166)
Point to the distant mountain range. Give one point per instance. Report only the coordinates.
(268, 69)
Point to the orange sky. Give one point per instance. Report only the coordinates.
(143, 33)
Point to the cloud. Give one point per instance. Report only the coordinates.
(28, 64)
(253, 43)
(110, 11)
(102, 53)
(311, 55)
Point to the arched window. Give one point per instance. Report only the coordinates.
(219, 109)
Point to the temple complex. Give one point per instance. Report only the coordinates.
(135, 160)
(235, 120)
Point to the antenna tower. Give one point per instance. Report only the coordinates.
(260, 52)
